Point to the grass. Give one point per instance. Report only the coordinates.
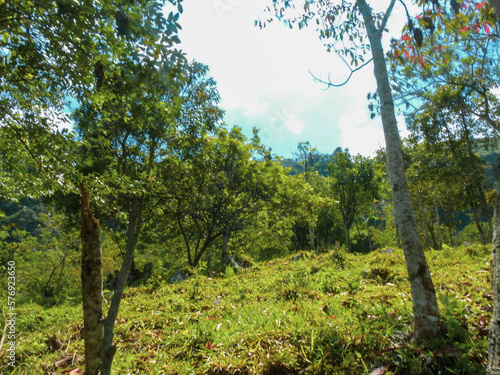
(334, 313)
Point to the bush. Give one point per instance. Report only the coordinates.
(469, 234)
(229, 272)
(47, 265)
(360, 243)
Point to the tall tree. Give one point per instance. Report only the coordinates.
(143, 120)
(457, 53)
(451, 138)
(127, 124)
(351, 23)
(306, 155)
(494, 336)
(353, 186)
(55, 50)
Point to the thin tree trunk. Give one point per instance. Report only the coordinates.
(347, 238)
(438, 222)
(359, 234)
(475, 205)
(480, 229)
(491, 226)
(91, 286)
(425, 308)
(451, 236)
(225, 242)
(493, 367)
(369, 236)
(186, 240)
(134, 228)
(430, 228)
(311, 236)
(199, 251)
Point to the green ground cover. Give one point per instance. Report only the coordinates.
(334, 313)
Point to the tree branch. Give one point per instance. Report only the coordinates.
(406, 9)
(352, 71)
(386, 16)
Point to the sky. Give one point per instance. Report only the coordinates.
(265, 79)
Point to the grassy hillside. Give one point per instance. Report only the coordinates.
(330, 314)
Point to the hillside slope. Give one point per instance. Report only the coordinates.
(335, 313)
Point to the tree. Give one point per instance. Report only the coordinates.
(350, 24)
(49, 55)
(353, 186)
(46, 51)
(46, 250)
(461, 57)
(219, 191)
(293, 202)
(142, 120)
(446, 179)
(128, 124)
(494, 350)
(306, 155)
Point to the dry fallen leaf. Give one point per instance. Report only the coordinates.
(379, 371)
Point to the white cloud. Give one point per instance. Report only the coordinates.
(291, 122)
(360, 134)
(264, 78)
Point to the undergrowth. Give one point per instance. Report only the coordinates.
(335, 313)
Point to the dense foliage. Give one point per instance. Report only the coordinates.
(101, 114)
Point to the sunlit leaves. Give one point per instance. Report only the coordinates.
(451, 27)
(217, 190)
(54, 51)
(353, 185)
(460, 52)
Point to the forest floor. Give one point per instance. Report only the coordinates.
(334, 313)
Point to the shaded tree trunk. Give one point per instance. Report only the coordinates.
(480, 229)
(200, 250)
(225, 242)
(451, 236)
(491, 227)
(438, 221)
(430, 228)
(347, 237)
(425, 308)
(493, 367)
(370, 246)
(91, 286)
(311, 237)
